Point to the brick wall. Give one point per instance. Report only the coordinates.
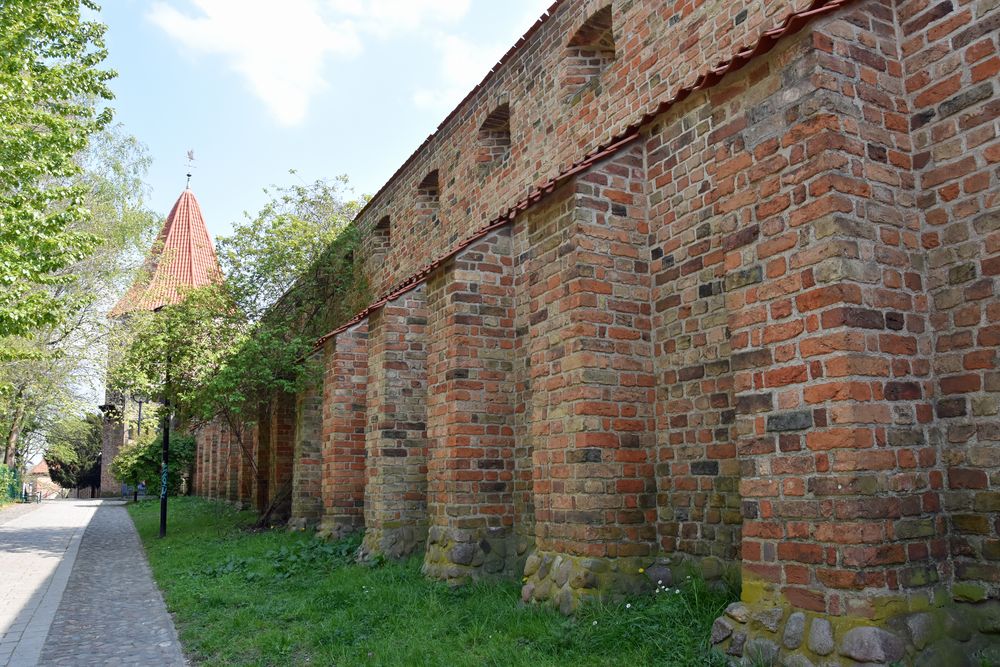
(396, 434)
(307, 456)
(950, 66)
(112, 440)
(591, 384)
(548, 129)
(281, 447)
(757, 335)
(470, 413)
(345, 384)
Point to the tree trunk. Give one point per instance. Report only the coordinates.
(10, 451)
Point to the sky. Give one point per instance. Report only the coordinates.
(323, 87)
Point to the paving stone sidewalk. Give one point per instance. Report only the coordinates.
(111, 612)
(37, 548)
(75, 589)
(16, 510)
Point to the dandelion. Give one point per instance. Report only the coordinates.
(641, 570)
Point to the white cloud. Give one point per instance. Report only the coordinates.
(281, 48)
(465, 63)
(387, 17)
(278, 48)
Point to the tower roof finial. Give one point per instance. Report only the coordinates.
(190, 167)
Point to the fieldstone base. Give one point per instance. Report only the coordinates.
(457, 555)
(335, 528)
(302, 523)
(392, 542)
(953, 635)
(569, 581)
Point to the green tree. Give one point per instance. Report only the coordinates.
(140, 462)
(51, 88)
(56, 369)
(290, 276)
(73, 453)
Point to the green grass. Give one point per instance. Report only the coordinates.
(277, 598)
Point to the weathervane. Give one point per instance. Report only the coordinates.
(190, 166)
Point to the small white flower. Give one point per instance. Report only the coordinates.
(659, 582)
(594, 623)
(628, 606)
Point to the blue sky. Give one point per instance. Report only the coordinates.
(327, 87)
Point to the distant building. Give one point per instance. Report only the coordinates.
(38, 479)
(182, 257)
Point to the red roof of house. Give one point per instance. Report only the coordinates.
(42, 468)
(182, 257)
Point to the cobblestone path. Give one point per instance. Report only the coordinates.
(75, 589)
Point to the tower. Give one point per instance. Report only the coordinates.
(182, 257)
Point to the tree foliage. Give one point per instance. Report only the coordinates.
(55, 370)
(290, 275)
(140, 462)
(51, 85)
(73, 453)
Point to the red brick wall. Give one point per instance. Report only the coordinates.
(950, 62)
(660, 46)
(470, 412)
(281, 453)
(262, 453)
(591, 375)
(396, 436)
(307, 473)
(344, 418)
(764, 332)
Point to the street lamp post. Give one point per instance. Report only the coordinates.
(140, 399)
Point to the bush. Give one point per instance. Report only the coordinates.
(9, 484)
(140, 462)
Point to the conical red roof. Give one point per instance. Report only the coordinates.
(182, 257)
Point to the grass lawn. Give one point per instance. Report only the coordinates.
(278, 598)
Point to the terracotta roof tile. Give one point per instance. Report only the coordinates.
(182, 257)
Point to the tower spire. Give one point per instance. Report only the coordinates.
(181, 258)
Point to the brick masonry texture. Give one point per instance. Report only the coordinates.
(395, 501)
(344, 419)
(757, 335)
(307, 458)
(470, 413)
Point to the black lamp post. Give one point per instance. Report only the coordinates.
(165, 455)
